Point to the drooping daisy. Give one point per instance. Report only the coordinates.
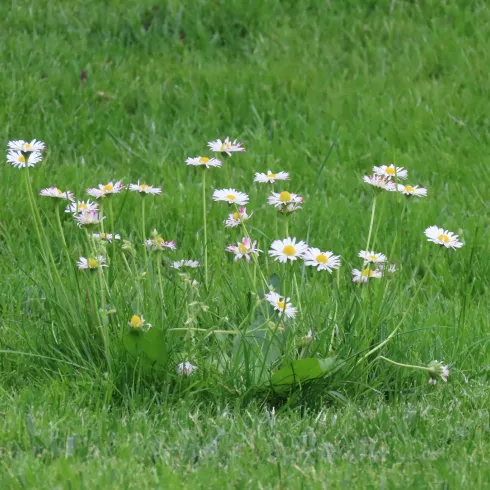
(87, 218)
(81, 206)
(364, 275)
(106, 190)
(323, 261)
(281, 304)
(436, 370)
(55, 192)
(203, 162)
(285, 201)
(288, 249)
(379, 182)
(231, 196)
(179, 264)
(186, 368)
(225, 146)
(21, 145)
(245, 249)
(409, 190)
(18, 160)
(372, 257)
(106, 237)
(237, 218)
(271, 177)
(145, 189)
(92, 262)
(391, 172)
(158, 243)
(440, 236)
(137, 322)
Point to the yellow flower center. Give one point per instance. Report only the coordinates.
(227, 144)
(204, 159)
(390, 171)
(21, 159)
(236, 215)
(136, 322)
(82, 206)
(103, 236)
(93, 263)
(231, 197)
(271, 176)
(322, 259)
(409, 188)
(108, 188)
(373, 257)
(444, 238)
(242, 248)
(27, 146)
(143, 187)
(281, 305)
(289, 250)
(284, 196)
(367, 272)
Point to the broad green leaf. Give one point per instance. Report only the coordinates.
(150, 344)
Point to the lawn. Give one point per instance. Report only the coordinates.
(92, 397)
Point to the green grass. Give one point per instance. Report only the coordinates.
(324, 90)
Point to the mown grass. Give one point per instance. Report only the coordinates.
(324, 90)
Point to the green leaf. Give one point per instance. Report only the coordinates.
(150, 344)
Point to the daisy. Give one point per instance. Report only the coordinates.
(391, 172)
(137, 322)
(285, 201)
(364, 275)
(21, 145)
(245, 248)
(92, 262)
(87, 218)
(437, 369)
(158, 243)
(81, 206)
(185, 263)
(288, 249)
(409, 190)
(237, 218)
(225, 146)
(106, 237)
(440, 236)
(145, 189)
(186, 368)
(231, 196)
(372, 257)
(107, 189)
(281, 304)
(17, 159)
(379, 182)
(321, 260)
(204, 162)
(271, 177)
(55, 192)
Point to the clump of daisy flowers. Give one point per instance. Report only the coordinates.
(22, 154)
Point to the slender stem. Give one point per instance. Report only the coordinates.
(58, 220)
(373, 211)
(411, 366)
(204, 209)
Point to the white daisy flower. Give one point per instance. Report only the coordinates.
(323, 261)
(55, 192)
(391, 172)
(107, 189)
(437, 370)
(288, 249)
(145, 189)
(87, 218)
(380, 182)
(18, 160)
(231, 196)
(81, 206)
(245, 248)
(440, 236)
(364, 275)
(237, 218)
(271, 177)
(392, 268)
(204, 162)
(409, 190)
(225, 146)
(106, 237)
(285, 201)
(21, 145)
(158, 243)
(372, 257)
(138, 322)
(186, 368)
(193, 264)
(281, 304)
(92, 262)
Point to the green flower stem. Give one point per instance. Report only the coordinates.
(205, 224)
(373, 211)
(411, 366)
